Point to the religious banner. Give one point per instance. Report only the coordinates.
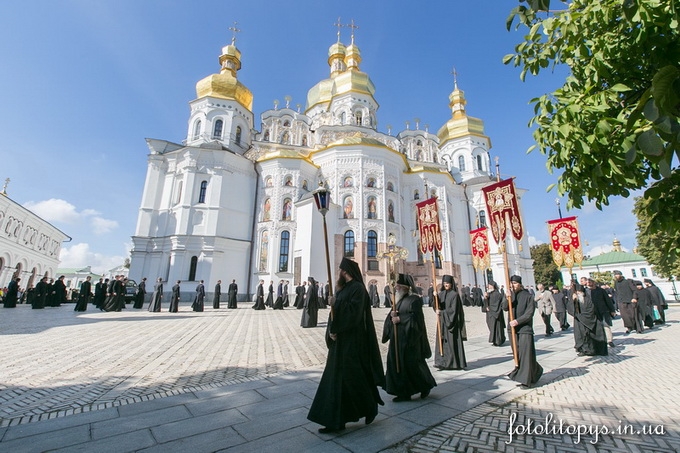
(481, 259)
(428, 225)
(501, 199)
(565, 242)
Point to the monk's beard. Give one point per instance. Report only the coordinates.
(342, 281)
(400, 293)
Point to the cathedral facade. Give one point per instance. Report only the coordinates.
(234, 200)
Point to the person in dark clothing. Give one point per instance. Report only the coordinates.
(231, 294)
(406, 371)
(373, 295)
(12, 293)
(528, 371)
(141, 294)
(218, 293)
(467, 299)
(300, 296)
(349, 385)
(40, 294)
(157, 296)
(495, 320)
(626, 299)
(449, 353)
(591, 339)
(430, 295)
(477, 296)
(259, 297)
(270, 295)
(645, 305)
(100, 293)
(658, 299)
(560, 307)
(310, 313)
(84, 295)
(174, 298)
(604, 308)
(116, 300)
(199, 298)
(278, 304)
(59, 289)
(387, 291)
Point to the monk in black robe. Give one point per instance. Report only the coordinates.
(116, 299)
(626, 299)
(349, 385)
(495, 320)
(141, 294)
(449, 353)
(84, 295)
(373, 295)
(270, 296)
(100, 293)
(387, 291)
(528, 371)
(174, 298)
(591, 339)
(299, 296)
(310, 310)
(157, 296)
(406, 372)
(259, 297)
(59, 289)
(10, 300)
(40, 294)
(232, 291)
(645, 305)
(658, 299)
(278, 304)
(218, 293)
(199, 298)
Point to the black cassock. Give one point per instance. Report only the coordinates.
(139, 297)
(270, 297)
(646, 307)
(232, 292)
(388, 296)
(299, 297)
(216, 298)
(625, 292)
(310, 310)
(451, 321)
(259, 298)
(373, 295)
(349, 385)
(591, 339)
(495, 320)
(412, 348)
(84, 296)
(174, 299)
(156, 297)
(523, 306)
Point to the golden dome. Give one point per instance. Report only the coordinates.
(320, 93)
(225, 85)
(353, 81)
(336, 49)
(460, 123)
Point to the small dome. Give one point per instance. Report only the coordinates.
(225, 85)
(337, 49)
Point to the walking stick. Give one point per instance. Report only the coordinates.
(435, 305)
(394, 310)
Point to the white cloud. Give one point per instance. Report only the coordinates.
(80, 255)
(534, 241)
(61, 211)
(600, 249)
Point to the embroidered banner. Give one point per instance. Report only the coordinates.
(501, 199)
(428, 225)
(479, 239)
(565, 242)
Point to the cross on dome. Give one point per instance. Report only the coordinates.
(234, 30)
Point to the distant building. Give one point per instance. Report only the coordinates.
(631, 265)
(76, 276)
(29, 246)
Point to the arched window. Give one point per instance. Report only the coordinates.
(349, 243)
(192, 268)
(197, 129)
(416, 195)
(461, 163)
(217, 130)
(479, 163)
(358, 117)
(390, 186)
(204, 189)
(283, 251)
(342, 118)
(237, 139)
(286, 123)
(437, 259)
(372, 244)
(285, 138)
(482, 218)
(419, 143)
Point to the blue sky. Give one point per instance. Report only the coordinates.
(83, 83)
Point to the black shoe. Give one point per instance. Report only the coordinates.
(611, 344)
(424, 394)
(370, 418)
(399, 399)
(326, 430)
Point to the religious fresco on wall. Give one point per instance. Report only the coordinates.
(264, 251)
(304, 185)
(266, 210)
(390, 186)
(372, 208)
(347, 182)
(390, 211)
(348, 208)
(370, 182)
(288, 181)
(286, 214)
(268, 182)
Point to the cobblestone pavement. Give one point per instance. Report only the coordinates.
(206, 378)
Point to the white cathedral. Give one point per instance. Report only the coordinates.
(235, 202)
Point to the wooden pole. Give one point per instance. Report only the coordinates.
(394, 310)
(435, 305)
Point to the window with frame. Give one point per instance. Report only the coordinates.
(634, 273)
(217, 130)
(643, 272)
(192, 268)
(197, 129)
(372, 244)
(349, 244)
(480, 166)
(482, 218)
(283, 251)
(239, 132)
(461, 163)
(202, 192)
(437, 259)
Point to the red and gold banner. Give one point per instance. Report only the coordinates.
(428, 225)
(565, 242)
(501, 199)
(481, 259)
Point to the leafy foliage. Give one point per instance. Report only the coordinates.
(613, 126)
(604, 277)
(657, 240)
(545, 269)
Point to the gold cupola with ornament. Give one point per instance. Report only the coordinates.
(460, 124)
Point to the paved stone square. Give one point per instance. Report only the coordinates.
(243, 380)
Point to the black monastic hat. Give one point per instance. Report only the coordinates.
(352, 268)
(406, 280)
(516, 278)
(447, 279)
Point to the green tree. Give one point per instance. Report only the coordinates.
(658, 246)
(545, 269)
(126, 263)
(614, 125)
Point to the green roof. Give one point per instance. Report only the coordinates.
(613, 258)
